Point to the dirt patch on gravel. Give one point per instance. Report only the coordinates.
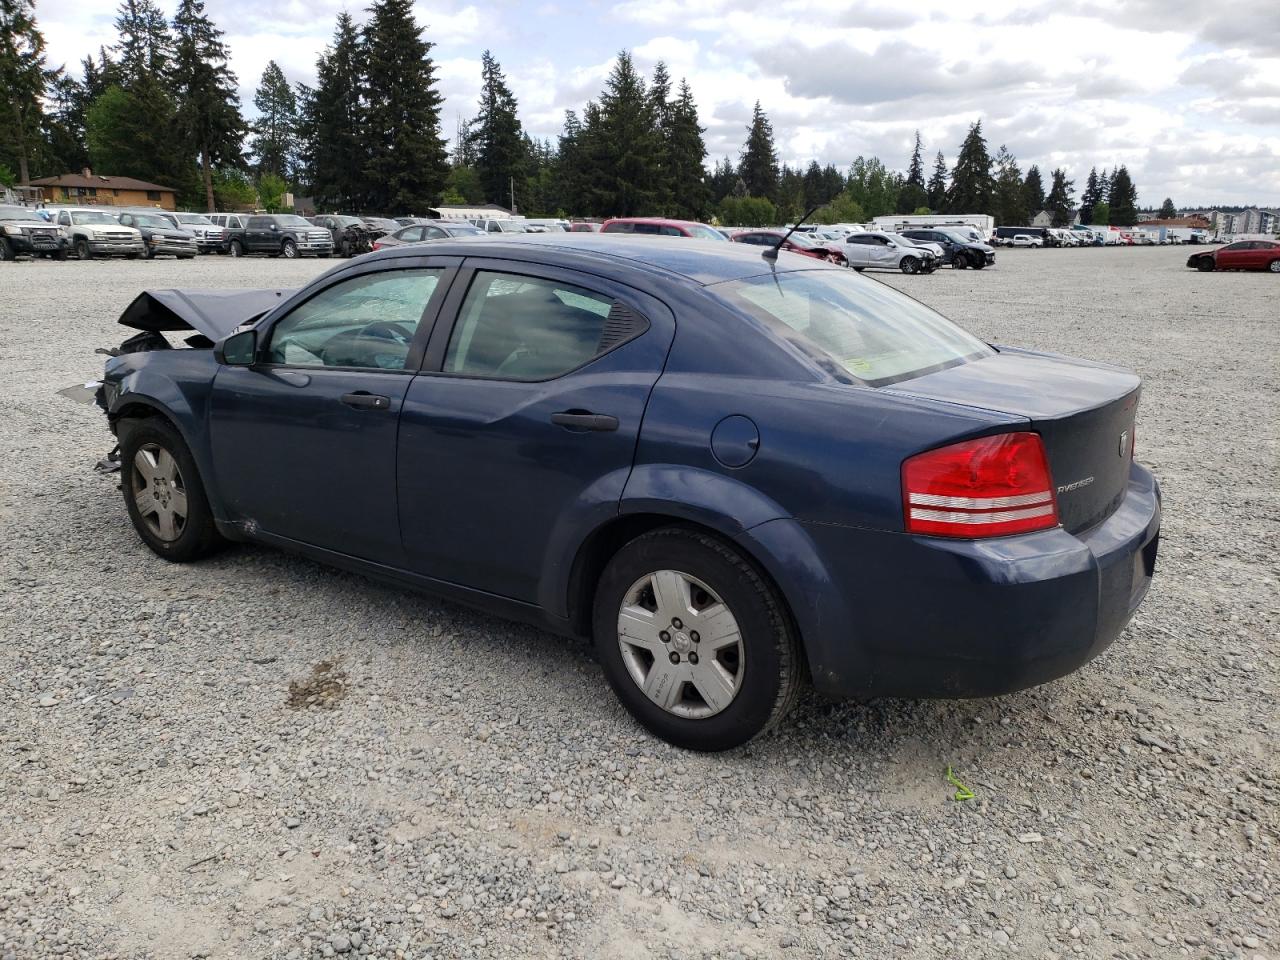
(326, 687)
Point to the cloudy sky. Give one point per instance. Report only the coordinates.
(1185, 92)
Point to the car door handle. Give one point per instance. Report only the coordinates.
(582, 420)
(366, 401)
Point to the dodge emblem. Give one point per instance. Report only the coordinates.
(1124, 443)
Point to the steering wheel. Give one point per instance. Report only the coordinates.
(385, 330)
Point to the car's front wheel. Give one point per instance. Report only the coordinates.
(909, 265)
(163, 492)
(289, 249)
(695, 642)
(960, 262)
(82, 250)
(1204, 264)
(236, 249)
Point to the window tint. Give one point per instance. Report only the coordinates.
(863, 239)
(618, 228)
(521, 328)
(366, 321)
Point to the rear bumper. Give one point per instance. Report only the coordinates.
(887, 614)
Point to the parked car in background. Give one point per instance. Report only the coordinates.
(498, 224)
(802, 243)
(659, 227)
(417, 233)
(933, 248)
(818, 477)
(380, 226)
(957, 249)
(1241, 255)
(350, 235)
(22, 232)
(278, 235)
(1026, 240)
(880, 251)
(208, 234)
(160, 236)
(1005, 236)
(583, 226)
(89, 233)
(546, 225)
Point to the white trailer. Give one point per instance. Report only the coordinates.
(979, 222)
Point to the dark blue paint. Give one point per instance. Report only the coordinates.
(465, 487)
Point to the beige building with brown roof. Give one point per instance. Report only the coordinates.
(90, 189)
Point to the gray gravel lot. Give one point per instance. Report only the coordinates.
(463, 787)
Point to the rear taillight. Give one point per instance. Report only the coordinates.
(989, 487)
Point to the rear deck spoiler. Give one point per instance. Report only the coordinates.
(214, 313)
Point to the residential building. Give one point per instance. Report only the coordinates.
(1045, 219)
(1196, 222)
(87, 188)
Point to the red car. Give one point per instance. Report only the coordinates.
(1241, 255)
(800, 243)
(659, 227)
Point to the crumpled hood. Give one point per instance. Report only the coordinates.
(215, 313)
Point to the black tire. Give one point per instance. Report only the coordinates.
(960, 262)
(82, 250)
(978, 263)
(6, 250)
(1204, 264)
(346, 249)
(235, 248)
(186, 256)
(150, 253)
(60, 255)
(859, 269)
(289, 249)
(771, 672)
(198, 534)
(909, 265)
(1274, 266)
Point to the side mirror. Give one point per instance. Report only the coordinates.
(238, 350)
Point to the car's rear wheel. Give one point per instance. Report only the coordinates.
(82, 250)
(289, 249)
(909, 265)
(236, 249)
(695, 642)
(1204, 264)
(6, 250)
(1274, 266)
(163, 492)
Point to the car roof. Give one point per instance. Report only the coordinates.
(699, 261)
(660, 221)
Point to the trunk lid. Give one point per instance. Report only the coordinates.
(1084, 413)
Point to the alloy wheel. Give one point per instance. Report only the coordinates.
(159, 491)
(1275, 266)
(681, 644)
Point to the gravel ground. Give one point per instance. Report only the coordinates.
(259, 757)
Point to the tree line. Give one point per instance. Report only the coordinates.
(161, 105)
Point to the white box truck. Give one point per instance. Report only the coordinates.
(979, 222)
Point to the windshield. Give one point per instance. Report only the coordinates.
(288, 220)
(194, 218)
(699, 232)
(93, 216)
(149, 220)
(17, 213)
(509, 226)
(867, 329)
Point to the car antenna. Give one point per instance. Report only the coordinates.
(771, 253)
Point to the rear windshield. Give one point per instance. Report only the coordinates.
(93, 216)
(868, 329)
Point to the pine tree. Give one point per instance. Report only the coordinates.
(334, 123)
(1032, 195)
(1060, 199)
(724, 181)
(686, 158)
(1090, 196)
(495, 138)
(971, 180)
(1008, 206)
(275, 132)
(1167, 210)
(759, 166)
(938, 184)
(64, 124)
(208, 117)
(624, 144)
(145, 49)
(1123, 199)
(408, 163)
(663, 112)
(913, 194)
(22, 84)
(567, 185)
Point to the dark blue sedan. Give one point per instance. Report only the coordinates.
(737, 476)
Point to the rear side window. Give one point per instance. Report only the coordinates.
(853, 325)
(618, 228)
(524, 328)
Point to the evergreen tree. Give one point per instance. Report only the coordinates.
(971, 180)
(724, 181)
(1123, 199)
(333, 120)
(913, 193)
(568, 186)
(624, 145)
(1167, 210)
(937, 189)
(1104, 188)
(663, 112)
(759, 162)
(1032, 195)
(686, 158)
(1090, 196)
(495, 139)
(814, 187)
(145, 49)
(1008, 206)
(209, 124)
(873, 187)
(407, 164)
(275, 132)
(1102, 213)
(64, 126)
(1059, 201)
(22, 85)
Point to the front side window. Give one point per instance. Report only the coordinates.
(367, 321)
(867, 329)
(523, 328)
